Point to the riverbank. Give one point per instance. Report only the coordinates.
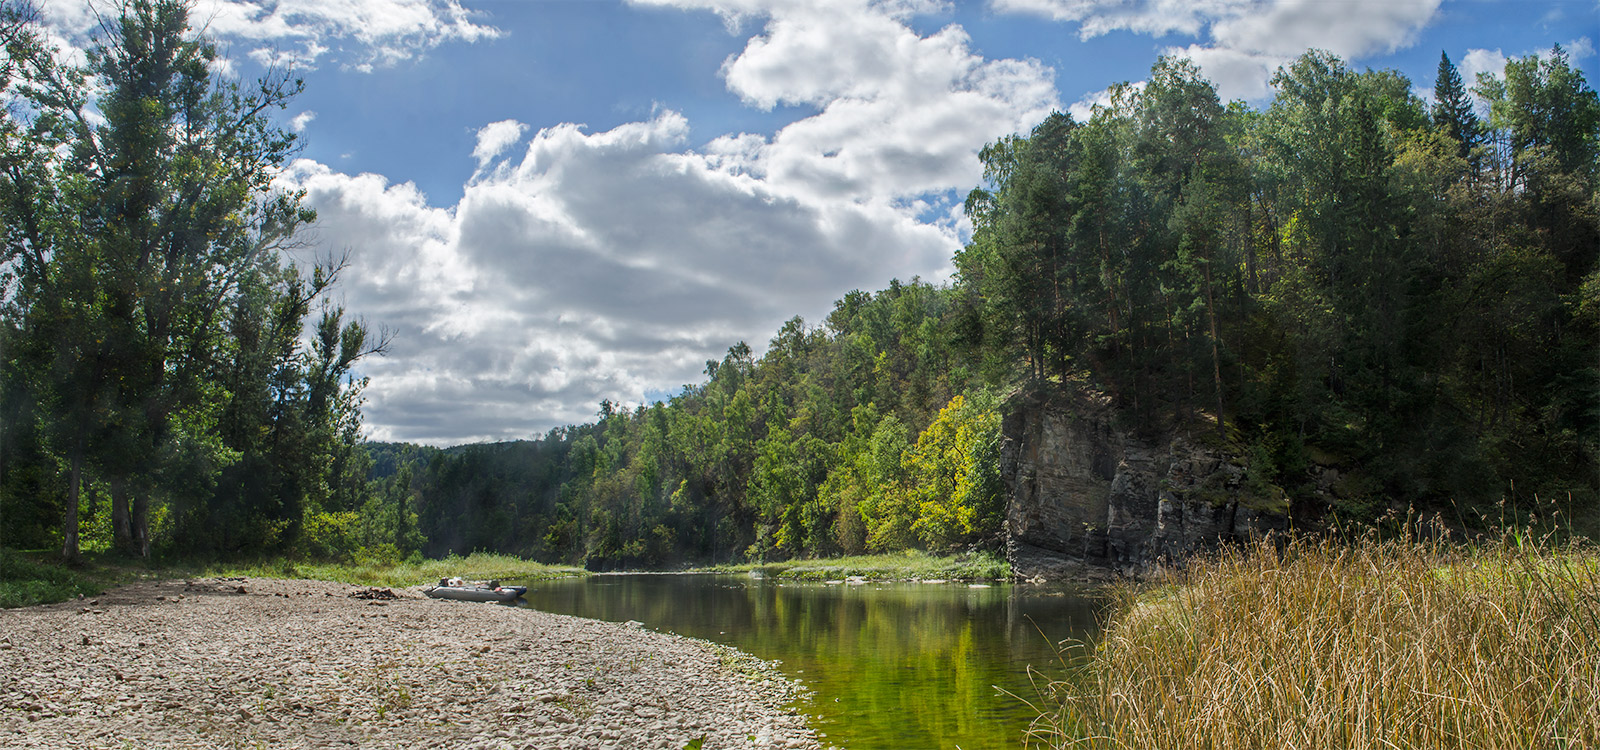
(416, 572)
(224, 662)
(912, 565)
(32, 578)
(1364, 646)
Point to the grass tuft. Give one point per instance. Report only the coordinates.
(1397, 644)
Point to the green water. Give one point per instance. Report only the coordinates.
(892, 666)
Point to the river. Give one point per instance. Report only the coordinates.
(891, 666)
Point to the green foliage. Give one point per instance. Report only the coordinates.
(1367, 301)
(954, 473)
(152, 328)
(1370, 297)
(800, 453)
(1336, 273)
(25, 581)
(908, 565)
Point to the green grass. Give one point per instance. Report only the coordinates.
(26, 580)
(1399, 644)
(913, 565)
(476, 566)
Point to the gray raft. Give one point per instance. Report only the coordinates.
(491, 591)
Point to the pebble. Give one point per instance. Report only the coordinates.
(268, 669)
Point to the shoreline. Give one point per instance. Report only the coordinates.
(222, 662)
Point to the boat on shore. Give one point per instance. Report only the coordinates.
(474, 591)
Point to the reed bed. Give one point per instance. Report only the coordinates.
(1317, 644)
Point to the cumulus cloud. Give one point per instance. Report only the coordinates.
(495, 138)
(1243, 42)
(1352, 29)
(359, 34)
(1283, 27)
(1098, 17)
(901, 115)
(1235, 74)
(590, 265)
(596, 266)
(1480, 61)
(1579, 49)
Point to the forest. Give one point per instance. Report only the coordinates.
(1348, 276)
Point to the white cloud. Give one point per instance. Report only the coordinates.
(591, 265)
(1579, 49)
(901, 115)
(1155, 17)
(1243, 42)
(1479, 61)
(1235, 74)
(299, 122)
(1283, 27)
(359, 34)
(597, 266)
(495, 138)
(1351, 29)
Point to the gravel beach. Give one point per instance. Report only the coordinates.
(247, 663)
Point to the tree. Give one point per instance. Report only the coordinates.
(1195, 180)
(1018, 256)
(1546, 108)
(1452, 109)
(140, 217)
(954, 473)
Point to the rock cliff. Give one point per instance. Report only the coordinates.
(1089, 500)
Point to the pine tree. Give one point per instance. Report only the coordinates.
(1452, 109)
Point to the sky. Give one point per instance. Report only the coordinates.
(548, 203)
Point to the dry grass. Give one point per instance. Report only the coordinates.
(1372, 645)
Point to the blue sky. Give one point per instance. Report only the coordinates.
(554, 202)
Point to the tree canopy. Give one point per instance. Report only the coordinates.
(153, 312)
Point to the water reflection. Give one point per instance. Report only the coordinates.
(891, 665)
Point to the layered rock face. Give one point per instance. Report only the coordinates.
(1089, 500)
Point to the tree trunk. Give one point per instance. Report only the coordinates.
(1216, 361)
(69, 519)
(141, 525)
(121, 524)
(1250, 248)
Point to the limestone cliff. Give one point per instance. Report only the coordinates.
(1090, 500)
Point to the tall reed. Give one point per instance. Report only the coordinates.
(1320, 644)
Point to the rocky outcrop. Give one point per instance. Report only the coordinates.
(1090, 500)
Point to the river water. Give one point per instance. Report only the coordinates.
(891, 666)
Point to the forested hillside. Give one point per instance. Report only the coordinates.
(1349, 277)
(874, 413)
